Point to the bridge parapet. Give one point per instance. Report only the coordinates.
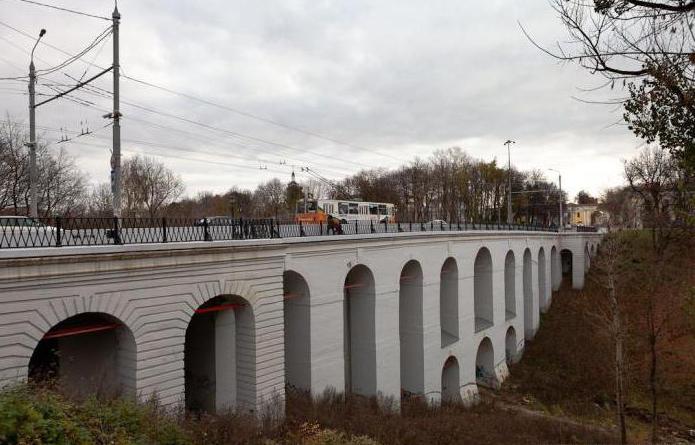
(20, 232)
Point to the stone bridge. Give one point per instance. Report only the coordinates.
(231, 324)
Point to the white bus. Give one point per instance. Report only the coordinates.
(315, 211)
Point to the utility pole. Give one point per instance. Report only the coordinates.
(509, 168)
(33, 173)
(560, 200)
(116, 155)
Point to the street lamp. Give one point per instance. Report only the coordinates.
(509, 167)
(560, 200)
(33, 174)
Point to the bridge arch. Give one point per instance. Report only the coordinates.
(510, 346)
(510, 286)
(555, 269)
(482, 290)
(485, 364)
(449, 302)
(542, 290)
(88, 353)
(297, 319)
(359, 333)
(528, 294)
(566, 260)
(451, 380)
(410, 329)
(220, 355)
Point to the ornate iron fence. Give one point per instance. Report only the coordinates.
(21, 232)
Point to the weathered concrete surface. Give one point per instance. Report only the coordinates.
(295, 303)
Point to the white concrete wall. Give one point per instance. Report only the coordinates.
(153, 290)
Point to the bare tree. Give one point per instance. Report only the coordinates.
(270, 198)
(609, 314)
(62, 187)
(654, 176)
(148, 186)
(14, 165)
(646, 45)
(100, 201)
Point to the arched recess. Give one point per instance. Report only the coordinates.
(482, 290)
(528, 294)
(555, 269)
(451, 380)
(485, 364)
(449, 302)
(509, 286)
(297, 320)
(542, 291)
(587, 258)
(220, 355)
(89, 353)
(410, 329)
(566, 264)
(510, 346)
(359, 331)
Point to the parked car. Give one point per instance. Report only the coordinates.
(214, 221)
(437, 223)
(23, 231)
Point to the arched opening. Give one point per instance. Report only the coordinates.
(219, 355)
(89, 353)
(528, 294)
(542, 291)
(449, 302)
(555, 269)
(485, 365)
(482, 290)
(359, 331)
(566, 260)
(410, 329)
(509, 286)
(587, 258)
(451, 381)
(297, 336)
(510, 346)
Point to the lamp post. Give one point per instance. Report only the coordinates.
(33, 174)
(560, 200)
(509, 168)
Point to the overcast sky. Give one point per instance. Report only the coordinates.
(391, 79)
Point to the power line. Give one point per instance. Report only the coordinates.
(98, 39)
(146, 143)
(80, 101)
(209, 127)
(256, 117)
(205, 101)
(65, 10)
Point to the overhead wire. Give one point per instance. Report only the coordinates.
(103, 94)
(97, 40)
(258, 118)
(193, 122)
(150, 84)
(65, 9)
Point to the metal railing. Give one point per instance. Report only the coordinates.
(59, 232)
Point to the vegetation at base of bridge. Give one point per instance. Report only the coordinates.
(571, 366)
(39, 416)
(59, 232)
